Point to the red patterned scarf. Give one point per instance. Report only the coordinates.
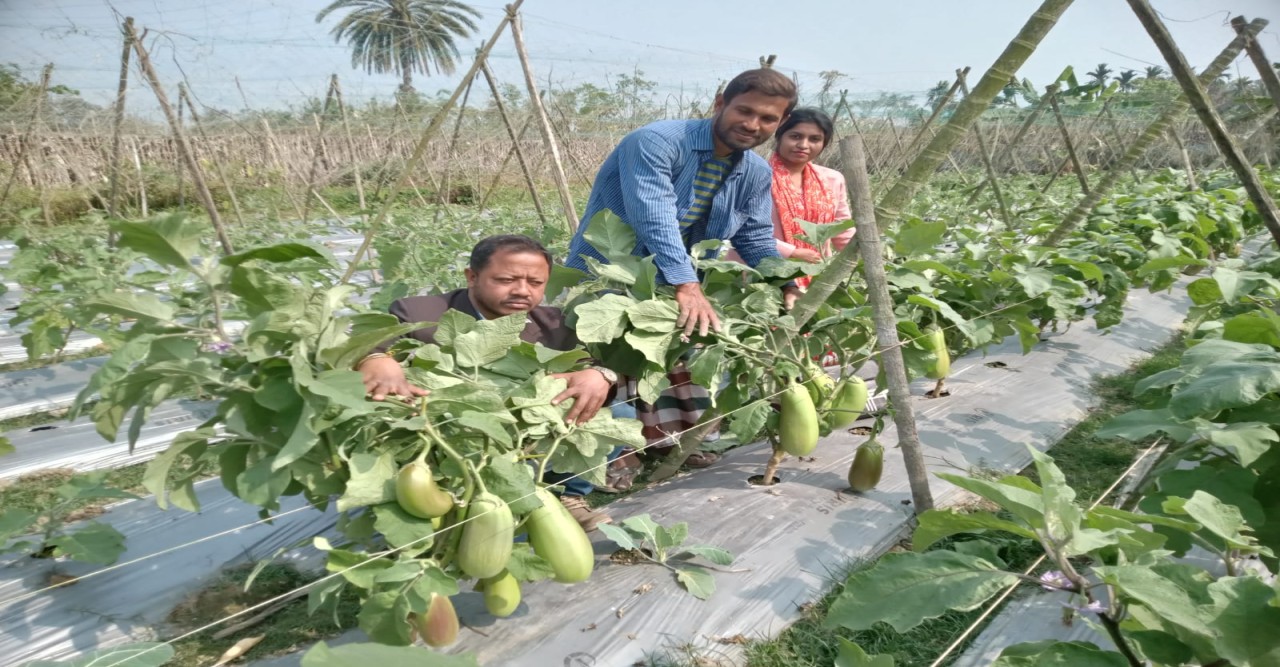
(812, 202)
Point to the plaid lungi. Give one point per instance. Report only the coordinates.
(678, 408)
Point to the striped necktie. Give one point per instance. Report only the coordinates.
(706, 183)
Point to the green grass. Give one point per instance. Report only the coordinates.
(41, 363)
(283, 631)
(1089, 464)
(32, 420)
(37, 491)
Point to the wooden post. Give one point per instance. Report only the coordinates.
(1267, 73)
(217, 164)
(1066, 139)
(1199, 100)
(515, 146)
(24, 143)
(180, 140)
(436, 121)
(544, 123)
(888, 347)
(117, 119)
(1157, 128)
(986, 160)
(351, 144)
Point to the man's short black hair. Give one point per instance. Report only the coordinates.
(487, 247)
(765, 81)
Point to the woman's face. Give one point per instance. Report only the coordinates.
(801, 144)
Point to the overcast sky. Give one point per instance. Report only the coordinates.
(281, 55)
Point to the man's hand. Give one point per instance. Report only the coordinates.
(696, 312)
(384, 377)
(790, 294)
(806, 255)
(588, 389)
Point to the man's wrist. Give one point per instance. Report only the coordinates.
(688, 287)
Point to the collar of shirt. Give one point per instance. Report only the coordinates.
(704, 142)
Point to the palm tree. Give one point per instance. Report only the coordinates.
(402, 36)
(1100, 75)
(1128, 81)
(936, 93)
(1153, 72)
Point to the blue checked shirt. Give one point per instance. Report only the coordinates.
(648, 182)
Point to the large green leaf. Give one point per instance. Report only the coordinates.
(133, 306)
(1061, 514)
(1242, 608)
(92, 543)
(604, 319)
(1249, 441)
(920, 586)
(653, 346)
(156, 477)
(139, 654)
(1053, 653)
(489, 341)
(919, 239)
(1138, 425)
(171, 240)
(1021, 502)
(609, 235)
(657, 315)
(372, 480)
(938, 524)
(1259, 326)
(1035, 281)
(402, 530)
(1215, 516)
(1161, 594)
(1225, 385)
(280, 252)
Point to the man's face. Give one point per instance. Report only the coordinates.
(747, 120)
(512, 282)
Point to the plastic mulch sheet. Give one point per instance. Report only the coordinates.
(78, 446)
(43, 389)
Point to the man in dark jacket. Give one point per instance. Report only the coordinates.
(508, 274)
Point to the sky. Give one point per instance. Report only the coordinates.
(281, 56)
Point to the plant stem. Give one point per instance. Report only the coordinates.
(542, 466)
(1113, 630)
(772, 467)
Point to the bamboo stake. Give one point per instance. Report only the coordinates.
(1117, 146)
(177, 158)
(1267, 73)
(986, 160)
(117, 119)
(1186, 159)
(142, 183)
(183, 96)
(442, 196)
(497, 177)
(1066, 161)
(515, 147)
(544, 123)
(318, 150)
(889, 209)
(1066, 139)
(1008, 151)
(273, 153)
(24, 143)
(180, 140)
(888, 347)
(351, 144)
(937, 111)
(436, 121)
(1148, 136)
(1209, 115)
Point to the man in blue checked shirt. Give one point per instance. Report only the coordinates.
(678, 182)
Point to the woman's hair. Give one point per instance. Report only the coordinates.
(808, 115)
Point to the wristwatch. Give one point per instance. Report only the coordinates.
(608, 374)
